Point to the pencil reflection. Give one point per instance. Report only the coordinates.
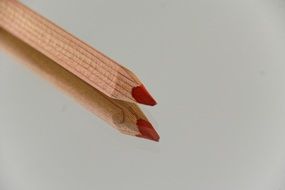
(121, 115)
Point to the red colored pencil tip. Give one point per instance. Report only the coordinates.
(147, 131)
(142, 96)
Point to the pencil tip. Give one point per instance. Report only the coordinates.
(147, 131)
(142, 96)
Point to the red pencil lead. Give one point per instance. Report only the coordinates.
(142, 96)
(146, 130)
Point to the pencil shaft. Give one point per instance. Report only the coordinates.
(72, 54)
(121, 115)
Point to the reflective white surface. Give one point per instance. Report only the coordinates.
(217, 70)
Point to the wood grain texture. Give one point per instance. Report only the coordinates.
(85, 62)
(119, 114)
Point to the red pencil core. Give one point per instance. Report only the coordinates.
(142, 96)
(146, 130)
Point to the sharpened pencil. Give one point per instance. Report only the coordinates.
(82, 60)
(124, 116)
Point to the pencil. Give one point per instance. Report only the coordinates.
(124, 116)
(82, 60)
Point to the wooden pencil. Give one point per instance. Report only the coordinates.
(124, 116)
(85, 62)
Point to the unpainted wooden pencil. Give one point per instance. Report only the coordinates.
(124, 116)
(87, 63)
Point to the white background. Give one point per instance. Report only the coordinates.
(217, 70)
